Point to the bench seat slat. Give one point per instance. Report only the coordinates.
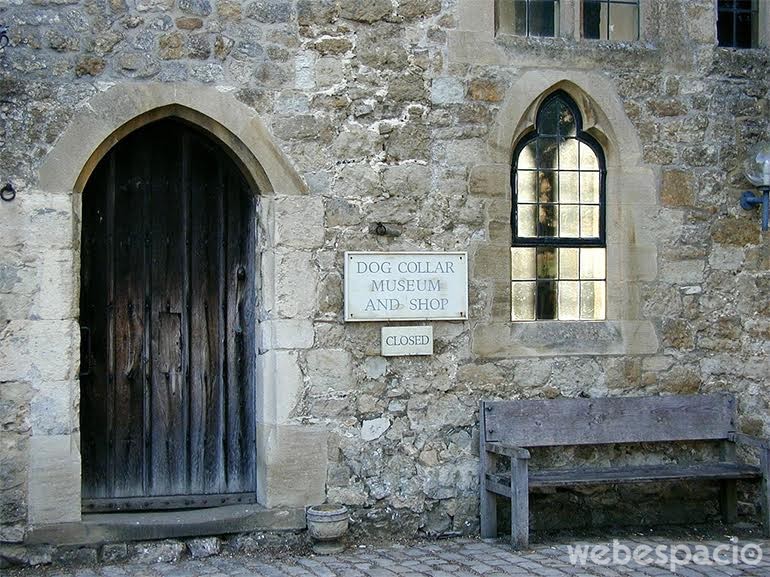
(639, 474)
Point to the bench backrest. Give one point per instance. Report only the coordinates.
(541, 423)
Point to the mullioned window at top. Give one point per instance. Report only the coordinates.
(528, 17)
(738, 23)
(558, 250)
(611, 19)
(601, 19)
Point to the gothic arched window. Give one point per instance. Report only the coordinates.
(558, 249)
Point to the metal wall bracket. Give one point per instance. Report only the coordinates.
(7, 193)
(749, 201)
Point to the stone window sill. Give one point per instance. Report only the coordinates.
(564, 338)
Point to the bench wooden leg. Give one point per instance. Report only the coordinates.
(519, 503)
(764, 461)
(728, 501)
(728, 491)
(488, 504)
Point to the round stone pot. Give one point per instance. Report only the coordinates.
(326, 525)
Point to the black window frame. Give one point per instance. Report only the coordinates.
(580, 136)
(556, 5)
(609, 3)
(734, 10)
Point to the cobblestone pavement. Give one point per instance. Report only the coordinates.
(451, 558)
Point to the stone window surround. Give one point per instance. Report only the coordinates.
(477, 17)
(631, 206)
(291, 457)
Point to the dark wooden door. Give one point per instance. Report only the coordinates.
(167, 313)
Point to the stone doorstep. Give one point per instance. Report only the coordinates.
(103, 528)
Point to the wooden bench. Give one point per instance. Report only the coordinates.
(509, 428)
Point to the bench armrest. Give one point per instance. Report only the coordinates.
(507, 450)
(756, 442)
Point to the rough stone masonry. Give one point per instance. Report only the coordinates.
(403, 112)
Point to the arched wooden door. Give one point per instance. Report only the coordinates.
(167, 313)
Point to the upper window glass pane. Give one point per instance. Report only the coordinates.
(738, 23)
(611, 19)
(558, 253)
(528, 17)
(558, 179)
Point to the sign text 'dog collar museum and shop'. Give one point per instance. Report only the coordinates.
(406, 286)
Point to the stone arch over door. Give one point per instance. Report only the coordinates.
(291, 464)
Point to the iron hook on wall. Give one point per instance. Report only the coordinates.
(8, 193)
(4, 40)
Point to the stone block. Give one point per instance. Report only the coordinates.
(465, 152)
(418, 8)
(492, 261)
(677, 188)
(683, 272)
(38, 220)
(299, 222)
(288, 384)
(57, 296)
(408, 142)
(114, 552)
(330, 295)
(407, 179)
(15, 397)
(54, 480)
(726, 257)
(304, 71)
(476, 16)
(157, 552)
(341, 212)
(204, 547)
(473, 47)
(270, 11)
(329, 370)
(356, 181)
(486, 89)
(33, 350)
(50, 408)
(296, 280)
(374, 428)
(734, 231)
(367, 12)
(293, 465)
(287, 334)
(447, 90)
(382, 47)
(356, 143)
(490, 180)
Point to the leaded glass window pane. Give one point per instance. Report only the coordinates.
(611, 19)
(558, 256)
(528, 17)
(558, 283)
(738, 23)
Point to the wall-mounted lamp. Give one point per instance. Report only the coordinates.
(757, 169)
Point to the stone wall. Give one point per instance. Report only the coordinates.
(403, 112)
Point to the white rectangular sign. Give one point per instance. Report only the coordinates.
(404, 341)
(384, 286)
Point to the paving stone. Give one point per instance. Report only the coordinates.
(468, 559)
